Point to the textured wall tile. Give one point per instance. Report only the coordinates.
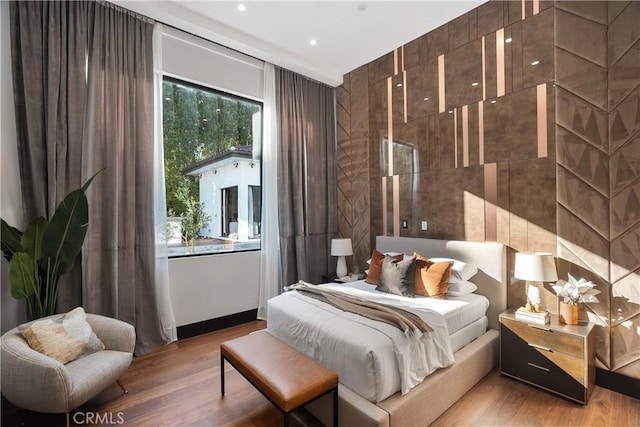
(459, 32)
(615, 8)
(581, 244)
(625, 298)
(490, 17)
(625, 209)
(515, 31)
(625, 164)
(584, 202)
(438, 41)
(581, 36)
(582, 119)
(624, 31)
(463, 67)
(624, 120)
(582, 77)
(625, 343)
(415, 52)
(537, 45)
(624, 75)
(490, 74)
(380, 68)
(422, 83)
(584, 160)
(592, 10)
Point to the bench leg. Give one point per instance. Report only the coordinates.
(222, 374)
(335, 407)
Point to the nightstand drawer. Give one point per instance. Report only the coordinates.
(519, 360)
(547, 338)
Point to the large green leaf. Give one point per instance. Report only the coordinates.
(22, 275)
(10, 237)
(65, 234)
(32, 237)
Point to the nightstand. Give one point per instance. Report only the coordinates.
(556, 357)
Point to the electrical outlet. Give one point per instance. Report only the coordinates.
(424, 225)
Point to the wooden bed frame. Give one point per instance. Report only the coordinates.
(430, 399)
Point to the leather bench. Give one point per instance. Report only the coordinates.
(288, 378)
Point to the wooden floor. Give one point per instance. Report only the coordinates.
(180, 386)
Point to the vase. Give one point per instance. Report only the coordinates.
(568, 313)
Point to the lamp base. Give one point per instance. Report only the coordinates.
(341, 268)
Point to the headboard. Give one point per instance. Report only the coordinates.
(489, 257)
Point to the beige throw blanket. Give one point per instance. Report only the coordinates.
(410, 323)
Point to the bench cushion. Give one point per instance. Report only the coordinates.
(288, 377)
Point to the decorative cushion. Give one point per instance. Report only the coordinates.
(459, 289)
(460, 270)
(432, 278)
(373, 277)
(64, 337)
(397, 277)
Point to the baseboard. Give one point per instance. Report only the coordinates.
(618, 383)
(199, 328)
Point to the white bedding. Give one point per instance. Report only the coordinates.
(362, 351)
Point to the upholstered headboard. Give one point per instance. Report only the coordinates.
(489, 257)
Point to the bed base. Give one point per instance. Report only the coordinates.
(472, 363)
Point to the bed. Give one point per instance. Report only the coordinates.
(372, 391)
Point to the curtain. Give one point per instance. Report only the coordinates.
(306, 175)
(48, 53)
(270, 282)
(165, 310)
(84, 89)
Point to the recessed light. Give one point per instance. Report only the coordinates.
(313, 42)
(450, 111)
(167, 99)
(508, 40)
(399, 84)
(241, 7)
(205, 120)
(426, 99)
(494, 101)
(217, 110)
(536, 62)
(474, 84)
(361, 7)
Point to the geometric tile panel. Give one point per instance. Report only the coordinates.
(625, 209)
(625, 164)
(583, 201)
(586, 161)
(625, 299)
(625, 343)
(625, 254)
(624, 120)
(582, 119)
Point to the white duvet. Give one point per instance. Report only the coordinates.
(372, 358)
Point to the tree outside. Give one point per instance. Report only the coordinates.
(198, 123)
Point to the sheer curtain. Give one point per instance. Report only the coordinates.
(165, 310)
(306, 175)
(270, 282)
(84, 94)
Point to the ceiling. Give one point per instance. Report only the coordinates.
(348, 33)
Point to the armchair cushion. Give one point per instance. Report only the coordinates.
(64, 337)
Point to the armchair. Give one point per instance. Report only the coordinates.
(34, 381)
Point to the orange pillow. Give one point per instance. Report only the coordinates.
(432, 278)
(375, 268)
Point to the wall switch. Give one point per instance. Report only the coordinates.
(424, 225)
(405, 223)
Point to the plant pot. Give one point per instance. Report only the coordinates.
(568, 313)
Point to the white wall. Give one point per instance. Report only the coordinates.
(13, 311)
(211, 286)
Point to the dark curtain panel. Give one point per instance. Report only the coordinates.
(48, 50)
(306, 175)
(119, 253)
(84, 100)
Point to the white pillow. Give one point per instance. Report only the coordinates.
(459, 289)
(460, 270)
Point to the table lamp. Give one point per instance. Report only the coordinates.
(535, 267)
(341, 248)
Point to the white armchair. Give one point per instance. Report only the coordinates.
(34, 381)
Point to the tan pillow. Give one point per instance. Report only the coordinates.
(375, 269)
(432, 278)
(65, 337)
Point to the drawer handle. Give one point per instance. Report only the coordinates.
(539, 347)
(541, 327)
(538, 366)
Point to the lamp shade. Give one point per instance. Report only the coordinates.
(341, 247)
(535, 266)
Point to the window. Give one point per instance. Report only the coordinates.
(212, 151)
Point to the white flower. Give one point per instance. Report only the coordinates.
(576, 291)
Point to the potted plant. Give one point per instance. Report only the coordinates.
(574, 292)
(45, 250)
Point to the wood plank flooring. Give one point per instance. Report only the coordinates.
(180, 386)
